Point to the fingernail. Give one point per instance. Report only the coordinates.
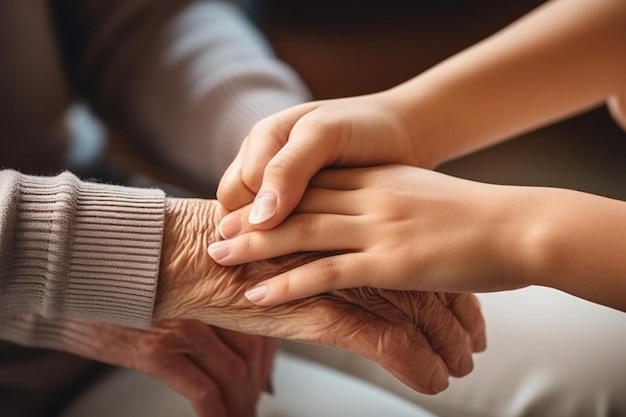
(256, 294)
(439, 381)
(218, 250)
(230, 226)
(263, 209)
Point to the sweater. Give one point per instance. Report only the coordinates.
(184, 81)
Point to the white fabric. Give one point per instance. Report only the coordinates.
(207, 76)
(549, 354)
(303, 389)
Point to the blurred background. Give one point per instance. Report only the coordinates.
(350, 47)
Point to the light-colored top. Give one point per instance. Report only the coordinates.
(184, 79)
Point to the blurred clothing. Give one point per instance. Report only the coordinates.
(183, 81)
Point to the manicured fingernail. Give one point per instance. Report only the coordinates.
(263, 209)
(230, 226)
(218, 250)
(439, 380)
(256, 294)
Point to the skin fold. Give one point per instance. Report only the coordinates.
(412, 230)
(420, 337)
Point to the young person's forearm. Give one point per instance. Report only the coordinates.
(576, 243)
(563, 58)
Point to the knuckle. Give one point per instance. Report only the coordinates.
(306, 226)
(164, 341)
(207, 394)
(223, 193)
(394, 342)
(251, 176)
(156, 343)
(237, 369)
(262, 127)
(285, 163)
(155, 350)
(330, 272)
(243, 244)
(317, 124)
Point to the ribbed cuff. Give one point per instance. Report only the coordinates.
(83, 250)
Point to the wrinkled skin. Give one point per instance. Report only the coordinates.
(420, 337)
(180, 353)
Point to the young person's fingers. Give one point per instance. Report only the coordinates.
(330, 201)
(310, 148)
(235, 223)
(315, 200)
(266, 139)
(299, 233)
(341, 271)
(345, 179)
(232, 191)
(242, 180)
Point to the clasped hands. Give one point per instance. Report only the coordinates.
(210, 343)
(420, 337)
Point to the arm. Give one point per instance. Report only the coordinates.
(421, 338)
(74, 255)
(180, 353)
(183, 80)
(72, 248)
(406, 228)
(399, 330)
(565, 57)
(561, 59)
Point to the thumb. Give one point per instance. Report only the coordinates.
(287, 175)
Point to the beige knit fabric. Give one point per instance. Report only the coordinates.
(75, 249)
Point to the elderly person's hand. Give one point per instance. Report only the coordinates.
(221, 372)
(420, 337)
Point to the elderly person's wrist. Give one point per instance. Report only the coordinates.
(416, 336)
(189, 226)
(192, 286)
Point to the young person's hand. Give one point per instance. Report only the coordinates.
(420, 337)
(407, 228)
(506, 85)
(283, 152)
(392, 227)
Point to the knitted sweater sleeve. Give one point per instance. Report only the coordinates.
(80, 250)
